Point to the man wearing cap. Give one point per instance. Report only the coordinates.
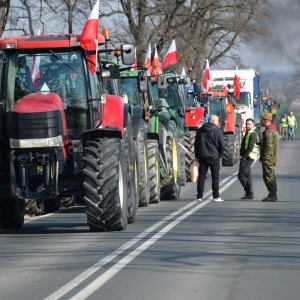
(283, 127)
(292, 123)
(269, 154)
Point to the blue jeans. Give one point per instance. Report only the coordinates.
(291, 131)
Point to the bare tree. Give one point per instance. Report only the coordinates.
(202, 28)
(4, 10)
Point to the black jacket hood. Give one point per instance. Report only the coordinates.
(208, 127)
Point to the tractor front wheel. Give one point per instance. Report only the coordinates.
(105, 184)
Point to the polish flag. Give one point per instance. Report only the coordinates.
(135, 64)
(224, 87)
(89, 37)
(156, 68)
(35, 69)
(171, 57)
(268, 95)
(236, 83)
(148, 58)
(207, 79)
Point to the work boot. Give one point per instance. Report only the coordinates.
(270, 198)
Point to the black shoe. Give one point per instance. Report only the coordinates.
(247, 197)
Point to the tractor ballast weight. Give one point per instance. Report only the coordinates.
(60, 133)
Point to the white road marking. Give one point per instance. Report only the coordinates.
(123, 262)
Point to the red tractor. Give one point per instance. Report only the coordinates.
(60, 134)
(223, 105)
(195, 118)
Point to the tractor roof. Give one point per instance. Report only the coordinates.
(43, 41)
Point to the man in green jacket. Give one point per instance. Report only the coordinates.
(269, 154)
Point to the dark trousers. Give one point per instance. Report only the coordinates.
(244, 176)
(214, 165)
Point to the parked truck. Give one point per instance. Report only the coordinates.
(60, 133)
(248, 104)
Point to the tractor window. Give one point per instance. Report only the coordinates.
(173, 97)
(129, 87)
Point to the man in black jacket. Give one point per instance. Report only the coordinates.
(248, 153)
(209, 148)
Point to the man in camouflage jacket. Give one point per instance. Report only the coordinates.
(269, 154)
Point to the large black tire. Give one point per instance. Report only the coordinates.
(144, 186)
(238, 137)
(131, 158)
(229, 155)
(154, 172)
(171, 183)
(105, 184)
(182, 162)
(189, 144)
(12, 213)
(51, 205)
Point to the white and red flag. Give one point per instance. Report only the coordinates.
(148, 58)
(35, 69)
(171, 57)
(89, 37)
(156, 68)
(236, 83)
(207, 79)
(135, 64)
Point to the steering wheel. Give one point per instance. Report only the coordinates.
(51, 81)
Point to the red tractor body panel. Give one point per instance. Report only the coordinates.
(194, 116)
(113, 113)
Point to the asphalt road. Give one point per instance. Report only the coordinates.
(181, 249)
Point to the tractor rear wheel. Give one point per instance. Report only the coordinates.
(154, 172)
(105, 184)
(229, 155)
(182, 162)
(189, 141)
(171, 182)
(12, 213)
(144, 187)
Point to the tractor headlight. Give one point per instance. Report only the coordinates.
(56, 141)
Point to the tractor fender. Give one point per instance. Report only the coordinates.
(138, 114)
(126, 112)
(113, 113)
(89, 135)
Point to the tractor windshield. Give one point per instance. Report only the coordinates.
(243, 100)
(215, 106)
(60, 72)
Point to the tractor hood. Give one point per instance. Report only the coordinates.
(38, 102)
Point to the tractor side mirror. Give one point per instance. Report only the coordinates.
(161, 83)
(127, 53)
(143, 82)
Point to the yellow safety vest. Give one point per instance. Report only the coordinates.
(291, 120)
(254, 152)
(283, 123)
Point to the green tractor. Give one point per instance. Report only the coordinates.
(139, 130)
(160, 97)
